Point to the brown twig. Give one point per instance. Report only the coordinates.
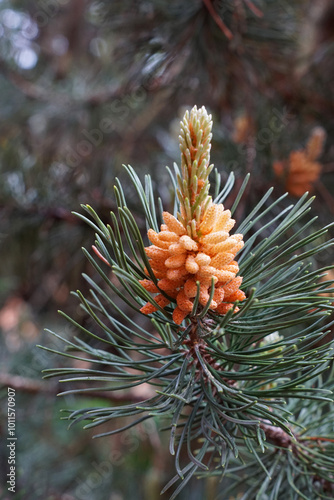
(316, 438)
(253, 8)
(277, 435)
(218, 20)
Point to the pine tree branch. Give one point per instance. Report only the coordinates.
(222, 373)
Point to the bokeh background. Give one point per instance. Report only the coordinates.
(86, 86)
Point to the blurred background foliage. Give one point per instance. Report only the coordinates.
(89, 85)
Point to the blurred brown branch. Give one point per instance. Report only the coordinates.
(37, 93)
(217, 19)
(25, 384)
(32, 386)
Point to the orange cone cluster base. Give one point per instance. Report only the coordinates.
(179, 262)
